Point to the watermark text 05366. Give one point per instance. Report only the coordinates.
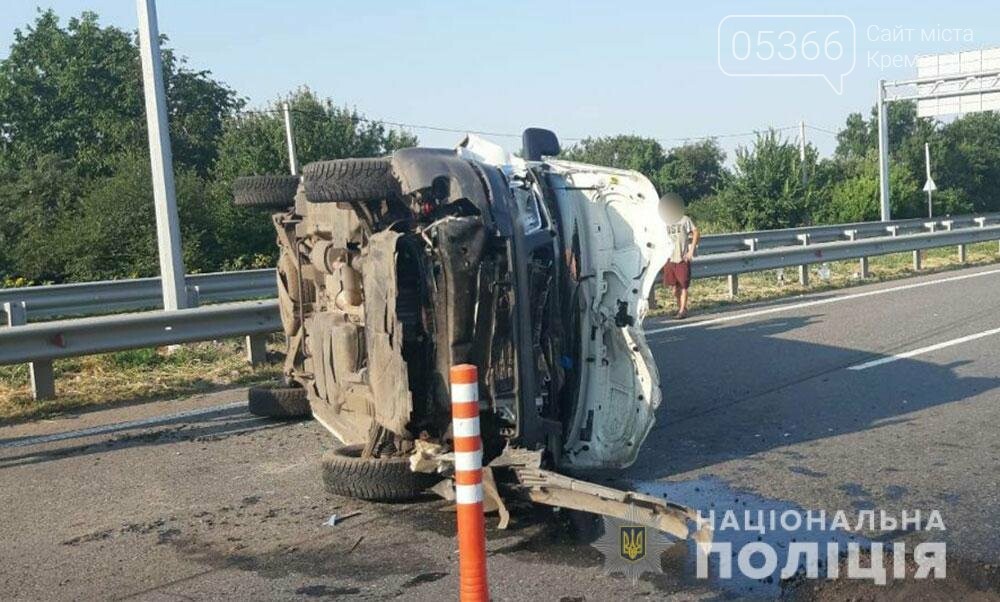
(819, 46)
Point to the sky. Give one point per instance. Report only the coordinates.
(578, 68)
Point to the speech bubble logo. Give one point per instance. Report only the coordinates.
(823, 46)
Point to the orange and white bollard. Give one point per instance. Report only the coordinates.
(469, 484)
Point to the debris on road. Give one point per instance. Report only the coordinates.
(335, 519)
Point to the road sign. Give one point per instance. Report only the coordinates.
(958, 82)
(930, 186)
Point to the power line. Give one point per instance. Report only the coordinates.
(454, 130)
(824, 130)
(398, 124)
(733, 135)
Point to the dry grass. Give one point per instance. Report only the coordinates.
(712, 293)
(134, 375)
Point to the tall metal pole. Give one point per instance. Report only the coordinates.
(168, 232)
(802, 149)
(928, 187)
(293, 163)
(883, 152)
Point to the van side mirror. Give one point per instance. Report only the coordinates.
(538, 142)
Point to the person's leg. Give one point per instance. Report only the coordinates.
(683, 282)
(678, 297)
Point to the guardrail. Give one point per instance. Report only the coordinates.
(723, 264)
(86, 336)
(753, 243)
(749, 241)
(40, 343)
(89, 298)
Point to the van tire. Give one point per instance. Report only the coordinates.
(386, 479)
(274, 192)
(349, 180)
(278, 402)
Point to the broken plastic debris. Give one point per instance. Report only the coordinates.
(426, 457)
(335, 518)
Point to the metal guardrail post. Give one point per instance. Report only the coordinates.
(949, 225)
(852, 235)
(734, 285)
(194, 295)
(917, 257)
(43, 380)
(981, 222)
(733, 282)
(894, 232)
(256, 346)
(734, 279)
(804, 268)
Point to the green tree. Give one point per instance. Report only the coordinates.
(73, 123)
(856, 139)
(111, 230)
(966, 159)
(766, 190)
(694, 171)
(859, 137)
(855, 196)
(32, 199)
(76, 92)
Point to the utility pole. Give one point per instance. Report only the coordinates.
(168, 233)
(883, 152)
(802, 149)
(293, 163)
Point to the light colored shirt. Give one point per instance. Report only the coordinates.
(680, 234)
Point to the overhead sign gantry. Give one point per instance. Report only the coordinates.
(946, 84)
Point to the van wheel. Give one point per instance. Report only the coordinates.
(275, 192)
(387, 479)
(278, 402)
(349, 180)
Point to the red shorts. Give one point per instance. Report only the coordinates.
(677, 274)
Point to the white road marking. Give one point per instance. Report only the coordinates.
(781, 308)
(902, 356)
(119, 426)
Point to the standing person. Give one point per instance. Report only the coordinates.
(684, 236)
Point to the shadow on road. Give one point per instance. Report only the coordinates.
(211, 426)
(731, 391)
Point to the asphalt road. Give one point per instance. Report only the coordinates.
(762, 410)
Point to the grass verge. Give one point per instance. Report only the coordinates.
(136, 375)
